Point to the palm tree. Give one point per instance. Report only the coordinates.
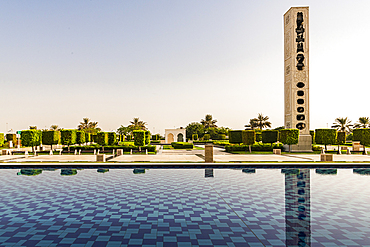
(252, 124)
(88, 126)
(261, 121)
(342, 124)
(137, 124)
(55, 127)
(208, 122)
(363, 122)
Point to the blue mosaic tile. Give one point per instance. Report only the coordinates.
(185, 207)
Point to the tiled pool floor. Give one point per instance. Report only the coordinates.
(184, 207)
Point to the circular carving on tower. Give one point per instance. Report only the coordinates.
(300, 126)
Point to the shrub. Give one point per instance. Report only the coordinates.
(362, 135)
(289, 136)
(102, 138)
(112, 138)
(249, 138)
(94, 138)
(255, 147)
(206, 137)
(316, 148)
(31, 138)
(139, 137)
(87, 137)
(235, 136)
(341, 137)
(221, 143)
(156, 142)
(221, 136)
(325, 136)
(195, 137)
(1, 139)
(129, 137)
(270, 136)
(182, 145)
(349, 137)
(156, 137)
(68, 137)
(11, 137)
(50, 137)
(109, 148)
(258, 136)
(80, 136)
(147, 137)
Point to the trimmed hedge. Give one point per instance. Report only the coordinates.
(150, 148)
(182, 145)
(80, 136)
(31, 138)
(258, 136)
(341, 137)
(11, 137)
(94, 138)
(206, 137)
(270, 136)
(362, 135)
(235, 136)
(87, 137)
(102, 138)
(289, 136)
(147, 137)
(1, 139)
(248, 137)
(112, 138)
(129, 137)
(255, 147)
(68, 137)
(325, 136)
(139, 137)
(50, 137)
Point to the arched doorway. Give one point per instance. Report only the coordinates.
(170, 138)
(180, 138)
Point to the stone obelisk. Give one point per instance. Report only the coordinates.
(296, 76)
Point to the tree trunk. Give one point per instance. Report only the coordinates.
(325, 148)
(339, 152)
(289, 148)
(364, 150)
(250, 149)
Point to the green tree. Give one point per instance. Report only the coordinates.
(208, 122)
(194, 128)
(325, 136)
(139, 138)
(270, 136)
(137, 124)
(122, 130)
(112, 138)
(342, 124)
(259, 122)
(55, 127)
(68, 137)
(341, 139)
(289, 137)
(80, 137)
(362, 135)
(252, 124)
(1, 139)
(50, 137)
(31, 138)
(102, 138)
(249, 138)
(363, 122)
(88, 126)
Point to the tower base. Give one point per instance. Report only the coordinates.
(304, 144)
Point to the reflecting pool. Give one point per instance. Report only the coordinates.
(184, 207)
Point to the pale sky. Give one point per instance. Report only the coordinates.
(172, 62)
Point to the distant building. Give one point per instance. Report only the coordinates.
(175, 135)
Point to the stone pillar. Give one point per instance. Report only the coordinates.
(296, 76)
(208, 153)
(100, 158)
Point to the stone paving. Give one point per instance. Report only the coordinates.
(186, 156)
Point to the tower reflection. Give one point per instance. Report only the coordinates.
(208, 173)
(297, 207)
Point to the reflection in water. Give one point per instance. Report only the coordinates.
(362, 171)
(138, 171)
(297, 207)
(208, 173)
(327, 171)
(30, 172)
(68, 172)
(103, 170)
(249, 170)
